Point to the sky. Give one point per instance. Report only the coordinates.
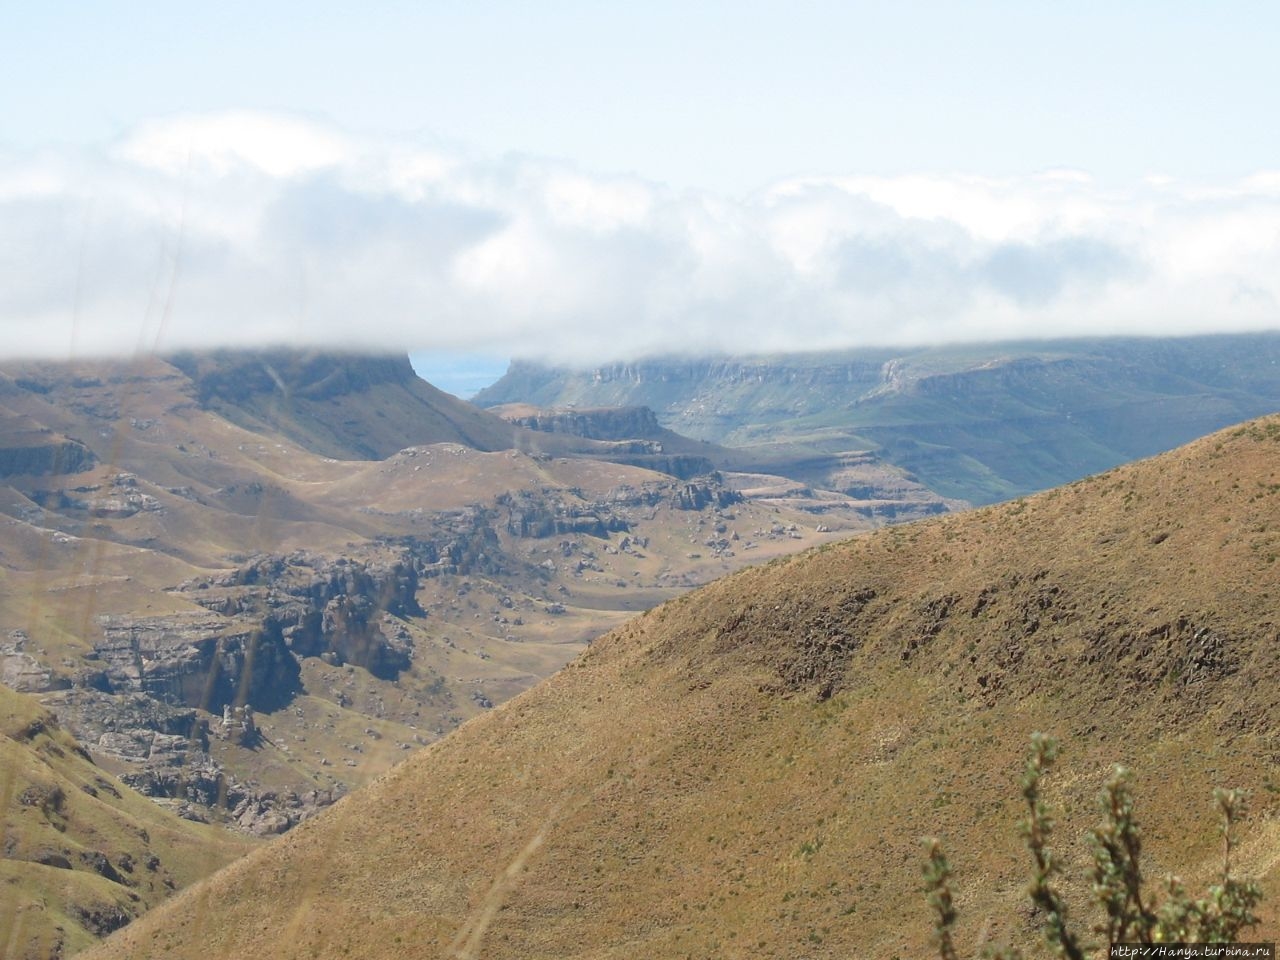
(586, 182)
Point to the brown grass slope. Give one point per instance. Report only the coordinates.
(81, 852)
(746, 771)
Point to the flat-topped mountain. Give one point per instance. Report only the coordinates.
(746, 771)
(352, 407)
(979, 423)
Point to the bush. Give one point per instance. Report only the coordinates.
(1132, 914)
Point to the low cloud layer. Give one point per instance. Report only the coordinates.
(250, 229)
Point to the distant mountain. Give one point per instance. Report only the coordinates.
(979, 423)
(748, 770)
(352, 407)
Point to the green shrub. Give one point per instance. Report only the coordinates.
(1132, 914)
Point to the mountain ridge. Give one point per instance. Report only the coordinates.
(792, 730)
(978, 422)
(170, 565)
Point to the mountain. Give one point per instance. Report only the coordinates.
(248, 583)
(355, 558)
(82, 853)
(308, 396)
(978, 423)
(747, 771)
(857, 484)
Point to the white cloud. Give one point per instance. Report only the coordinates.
(218, 144)
(245, 228)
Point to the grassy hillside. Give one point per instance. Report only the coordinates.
(747, 771)
(82, 854)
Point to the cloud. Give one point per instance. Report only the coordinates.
(255, 229)
(1034, 274)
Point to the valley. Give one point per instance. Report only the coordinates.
(747, 770)
(252, 584)
(249, 584)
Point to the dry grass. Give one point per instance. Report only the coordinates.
(60, 815)
(230, 488)
(746, 771)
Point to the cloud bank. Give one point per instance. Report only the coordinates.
(255, 229)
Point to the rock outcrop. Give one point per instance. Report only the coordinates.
(315, 606)
(22, 672)
(597, 423)
(628, 435)
(550, 512)
(197, 660)
(157, 688)
(30, 449)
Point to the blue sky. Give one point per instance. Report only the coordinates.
(723, 96)
(577, 179)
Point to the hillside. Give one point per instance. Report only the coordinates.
(978, 423)
(746, 771)
(184, 538)
(82, 854)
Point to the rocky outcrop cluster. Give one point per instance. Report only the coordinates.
(20, 671)
(165, 749)
(196, 790)
(117, 499)
(549, 512)
(157, 688)
(197, 660)
(308, 605)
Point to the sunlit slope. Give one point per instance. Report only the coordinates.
(747, 771)
(82, 853)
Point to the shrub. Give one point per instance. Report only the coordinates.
(1132, 914)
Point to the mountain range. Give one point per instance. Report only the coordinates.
(747, 770)
(977, 423)
(248, 583)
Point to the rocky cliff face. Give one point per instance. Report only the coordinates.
(158, 688)
(236, 377)
(627, 435)
(30, 449)
(200, 661)
(22, 672)
(658, 382)
(306, 605)
(549, 513)
(601, 423)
